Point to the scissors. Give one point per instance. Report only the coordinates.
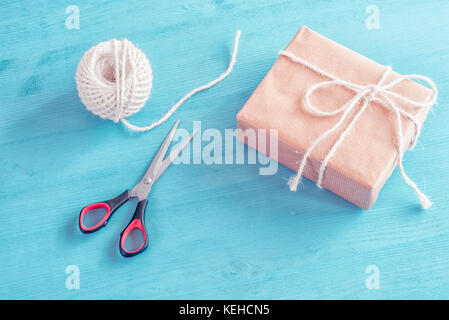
(141, 192)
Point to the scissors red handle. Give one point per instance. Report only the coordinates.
(109, 205)
(137, 222)
(139, 191)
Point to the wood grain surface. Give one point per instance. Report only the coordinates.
(216, 231)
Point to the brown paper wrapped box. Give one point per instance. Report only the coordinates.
(367, 156)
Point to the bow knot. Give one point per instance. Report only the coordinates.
(364, 95)
(373, 89)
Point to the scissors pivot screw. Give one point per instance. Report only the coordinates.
(148, 180)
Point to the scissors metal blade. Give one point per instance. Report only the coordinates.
(158, 166)
(157, 161)
(174, 154)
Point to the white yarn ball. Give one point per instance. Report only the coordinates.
(114, 79)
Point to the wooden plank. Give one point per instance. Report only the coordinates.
(216, 231)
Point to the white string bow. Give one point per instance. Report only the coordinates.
(380, 93)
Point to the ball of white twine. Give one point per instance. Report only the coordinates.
(114, 81)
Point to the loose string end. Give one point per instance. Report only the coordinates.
(293, 182)
(423, 199)
(425, 202)
(237, 35)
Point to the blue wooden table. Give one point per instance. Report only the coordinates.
(216, 231)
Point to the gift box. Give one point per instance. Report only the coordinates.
(343, 120)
